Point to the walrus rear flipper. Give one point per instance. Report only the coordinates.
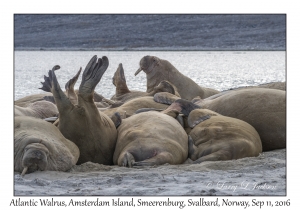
(61, 100)
(47, 84)
(49, 98)
(70, 88)
(91, 76)
(159, 159)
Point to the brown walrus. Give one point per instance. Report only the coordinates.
(93, 132)
(215, 137)
(39, 145)
(158, 69)
(150, 138)
(263, 108)
(123, 94)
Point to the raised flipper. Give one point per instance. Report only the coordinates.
(61, 100)
(91, 76)
(70, 88)
(119, 81)
(46, 86)
(116, 118)
(159, 159)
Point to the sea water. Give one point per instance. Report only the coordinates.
(220, 70)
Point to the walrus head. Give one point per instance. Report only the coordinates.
(147, 64)
(35, 158)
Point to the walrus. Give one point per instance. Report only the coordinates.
(150, 138)
(158, 69)
(27, 100)
(215, 137)
(123, 94)
(92, 131)
(263, 108)
(38, 109)
(39, 145)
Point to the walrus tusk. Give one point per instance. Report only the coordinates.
(24, 171)
(138, 71)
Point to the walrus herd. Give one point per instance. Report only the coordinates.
(175, 121)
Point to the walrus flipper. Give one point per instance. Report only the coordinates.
(191, 148)
(215, 156)
(159, 159)
(46, 86)
(71, 83)
(61, 100)
(116, 118)
(186, 106)
(165, 98)
(92, 74)
(49, 98)
(127, 160)
(70, 88)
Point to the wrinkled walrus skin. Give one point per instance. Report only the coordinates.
(158, 69)
(219, 137)
(92, 131)
(263, 108)
(38, 109)
(39, 145)
(150, 138)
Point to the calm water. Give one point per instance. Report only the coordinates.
(220, 70)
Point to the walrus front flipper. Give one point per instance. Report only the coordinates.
(186, 106)
(215, 156)
(127, 160)
(159, 159)
(165, 98)
(191, 149)
(116, 118)
(70, 88)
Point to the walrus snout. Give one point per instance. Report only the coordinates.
(147, 63)
(35, 158)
